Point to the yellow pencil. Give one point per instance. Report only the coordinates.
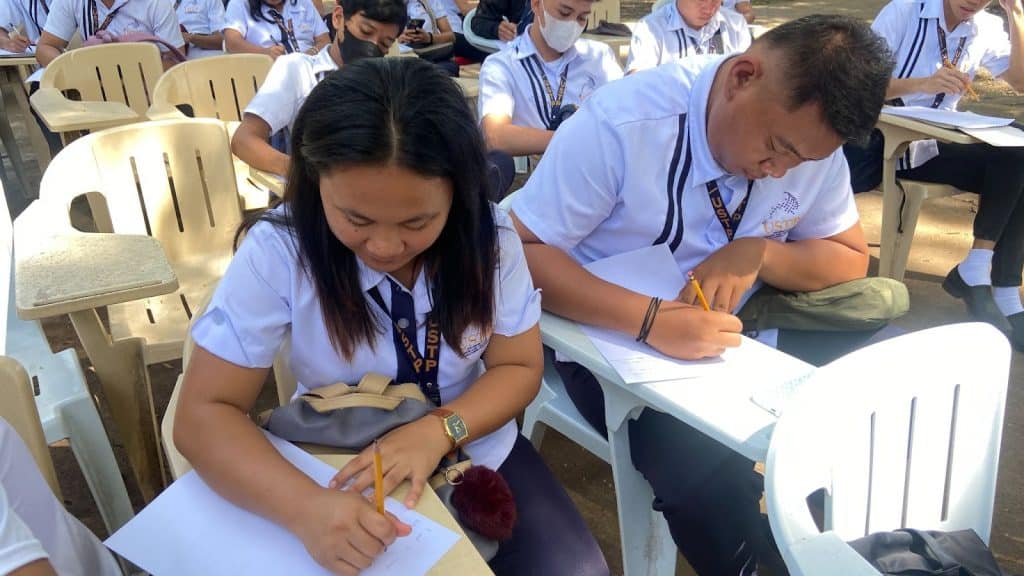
(700, 293)
(378, 478)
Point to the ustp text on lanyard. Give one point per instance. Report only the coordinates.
(730, 222)
(556, 100)
(944, 52)
(422, 369)
(96, 26)
(287, 31)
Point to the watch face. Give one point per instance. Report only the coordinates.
(457, 428)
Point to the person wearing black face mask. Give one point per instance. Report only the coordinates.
(364, 29)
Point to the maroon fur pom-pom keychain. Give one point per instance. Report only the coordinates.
(485, 503)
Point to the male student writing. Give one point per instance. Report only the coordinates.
(365, 28)
(643, 163)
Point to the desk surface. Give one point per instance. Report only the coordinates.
(77, 272)
(925, 129)
(720, 409)
(17, 60)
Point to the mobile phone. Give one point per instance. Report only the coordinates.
(415, 23)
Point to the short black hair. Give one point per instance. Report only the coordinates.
(837, 62)
(383, 11)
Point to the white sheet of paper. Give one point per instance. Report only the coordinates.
(1000, 136)
(189, 530)
(30, 51)
(947, 118)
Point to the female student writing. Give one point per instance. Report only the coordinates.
(386, 200)
(274, 27)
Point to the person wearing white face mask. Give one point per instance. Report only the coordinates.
(533, 85)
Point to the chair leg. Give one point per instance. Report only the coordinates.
(91, 447)
(647, 546)
(900, 211)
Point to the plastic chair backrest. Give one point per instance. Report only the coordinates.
(903, 433)
(117, 72)
(216, 87)
(173, 180)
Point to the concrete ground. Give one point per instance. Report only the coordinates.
(942, 238)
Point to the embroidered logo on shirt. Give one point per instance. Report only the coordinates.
(782, 217)
(473, 341)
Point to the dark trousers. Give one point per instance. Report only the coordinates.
(550, 538)
(466, 50)
(996, 174)
(708, 493)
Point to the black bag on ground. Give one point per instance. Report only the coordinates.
(910, 552)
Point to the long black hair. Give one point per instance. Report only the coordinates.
(400, 111)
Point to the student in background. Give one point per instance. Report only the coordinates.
(744, 7)
(38, 537)
(643, 163)
(201, 23)
(119, 17)
(502, 19)
(365, 29)
(385, 218)
(924, 34)
(441, 24)
(274, 27)
(684, 28)
(21, 23)
(533, 85)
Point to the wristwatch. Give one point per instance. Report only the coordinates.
(454, 426)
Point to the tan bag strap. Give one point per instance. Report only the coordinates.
(373, 383)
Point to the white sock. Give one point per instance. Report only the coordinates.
(976, 269)
(1007, 299)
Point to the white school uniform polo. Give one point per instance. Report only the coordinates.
(201, 17)
(154, 17)
(451, 10)
(265, 296)
(631, 168)
(303, 17)
(30, 15)
(909, 27)
(511, 81)
(289, 82)
(34, 524)
(663, 36)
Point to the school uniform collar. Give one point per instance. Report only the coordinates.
(676, 22)
(322, 62)
(370, 278)
(934, 9)
(523, 47)
(704, 167)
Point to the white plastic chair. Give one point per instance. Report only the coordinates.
(488, 45)
(64, 404)
(552, 408)
(904, 433)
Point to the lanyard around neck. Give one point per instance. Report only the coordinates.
(96, 26)
(287, 31)
(413, 366)
(944, 53)
(556, 100)
(730, 222)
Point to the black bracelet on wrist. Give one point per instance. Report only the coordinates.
(431, 34)
(648, 323)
